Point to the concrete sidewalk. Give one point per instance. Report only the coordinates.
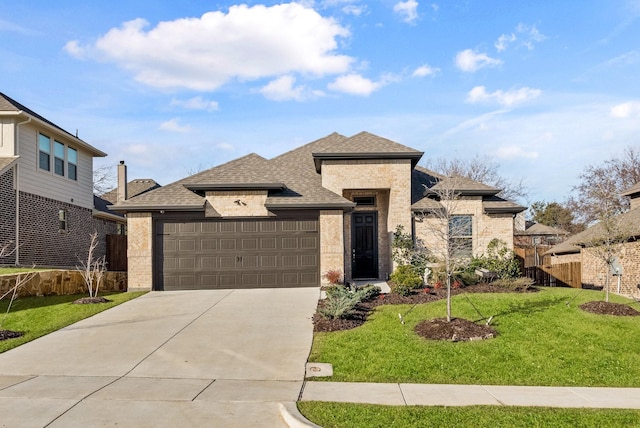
(222, 358)
(407, 394)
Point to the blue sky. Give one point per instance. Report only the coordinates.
(544, 88)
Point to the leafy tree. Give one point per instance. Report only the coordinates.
(555, 215)
(598, 193)
(482, 169)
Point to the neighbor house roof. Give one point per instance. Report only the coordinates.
(633, 191)
(628, 225)
(543, 229)
(134, 188)
(9, 106)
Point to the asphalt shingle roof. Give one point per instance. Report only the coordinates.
(295, 169)
(9, 104)
(134, 188)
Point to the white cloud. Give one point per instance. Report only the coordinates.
(424, 71)
(471, 61)
(196, 103)
(173, 125)
(226, 146)
(503, 41)
(511, 152)
(74, 49)
(204, 53)
(355, 84)
(408, 10)
(283, 89)
(625, 110)
(505, 98)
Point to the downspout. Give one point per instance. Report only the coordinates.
(17, 181)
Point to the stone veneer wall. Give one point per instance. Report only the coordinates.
(42, 243)
(246, 203)
(485, 226)
(331, 242)
(7, 214)
(595, 270)
(61, 282)
(391, 175)
(140, 251)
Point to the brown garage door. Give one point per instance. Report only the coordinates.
(237, 254)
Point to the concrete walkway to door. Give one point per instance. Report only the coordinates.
(190, 359)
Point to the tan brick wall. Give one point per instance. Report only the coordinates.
(485, 226)
(140, 251)
(332, 254)
(595, 270)
(392, 176)
(246, 203)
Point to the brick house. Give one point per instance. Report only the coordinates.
(539, 234)
(594, 270)
(332, 204)
(46, 190)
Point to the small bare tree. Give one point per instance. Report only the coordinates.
(94, 268)
(21, 279)
(606, 241)
(449, 228)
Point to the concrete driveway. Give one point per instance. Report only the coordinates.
(221, 358)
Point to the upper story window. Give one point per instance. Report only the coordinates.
(72, 163)
(461, 235)
(58, 158)
(44, 156)
(65, 158)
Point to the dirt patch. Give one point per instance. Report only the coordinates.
(90, 300)
(608, 308)
(457, 330)
(427, 295)
(8, 334)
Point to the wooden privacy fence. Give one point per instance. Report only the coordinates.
(117, 252)
(539, 268)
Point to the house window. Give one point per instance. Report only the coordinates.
(72, 162)
(44, 157)
(461, 235)
(62, 220)
(366, 201)
(58, 158)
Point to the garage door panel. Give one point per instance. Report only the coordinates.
(241, 254)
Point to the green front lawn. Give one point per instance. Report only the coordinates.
(37, 316)
(336, 415)
(541, 341)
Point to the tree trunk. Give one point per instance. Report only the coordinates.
(448, 298)
(606, 293)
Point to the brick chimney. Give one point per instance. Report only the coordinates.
(122, 182)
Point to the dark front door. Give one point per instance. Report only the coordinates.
(364, 245)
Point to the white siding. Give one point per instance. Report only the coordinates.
(45, 183)
(7, 147)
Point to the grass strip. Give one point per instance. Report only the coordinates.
(347, 415)
(541, 341)
(37, 316)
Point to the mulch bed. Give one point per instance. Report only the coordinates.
(8, 334)
(457, 330)
(322, 324)
(90, 300)
(608, 308)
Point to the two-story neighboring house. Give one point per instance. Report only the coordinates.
(46, 190)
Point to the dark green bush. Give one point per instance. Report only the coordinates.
(341, 301)
(405, 279)
(498, 259)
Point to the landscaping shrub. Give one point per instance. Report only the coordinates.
(498, 259)
(467, 278)
(406, 251)
(333, 276)
(405, 279)
(341, 301)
